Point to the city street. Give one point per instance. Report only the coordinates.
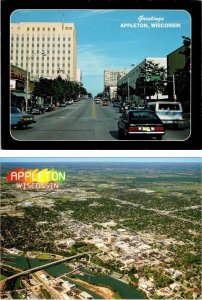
(83, 120)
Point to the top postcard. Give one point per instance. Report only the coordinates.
(103, 79)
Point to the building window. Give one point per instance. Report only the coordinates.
(58, 45)
(47, 71)
(38, 39)
(53, 58)
(43, 28)
(22, 39)
(53, 51)
(16, 51)
(47, 58)
(11, 51)
(63, 51)
(48, 39)
(27, 45)
(43, 39)
(27, 28)
(69, 39)
(48, 29)
(32, 45)
(32, 39)
(68, 65)
(47, 64)
(63, 58)
(53, 71)
(11, 57)
(53, 64)
(27, 38)
(48, 51)
(33, 28)
(22, 51)
(69, 45)
(68, 58)
(38, 29)
(37, 45)
(43, 45)
(21, 65)
(53, 45)
(53, 38)
(58, 39)
(53, 29)
(11, 45)
(69, 51)
(58, 51)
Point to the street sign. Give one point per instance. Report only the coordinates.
(155, 77)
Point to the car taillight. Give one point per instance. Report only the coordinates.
(22, 119)
(134, 128)
(159, 128)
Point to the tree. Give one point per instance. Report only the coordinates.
(145, 85)
(43, 88)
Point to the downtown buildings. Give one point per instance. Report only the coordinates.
(44, 49)
(111, 77)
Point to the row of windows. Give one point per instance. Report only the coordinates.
(42, 29)
(53, 66)
(43, 45)
(32, 64)
(47, 52)
(39, 38)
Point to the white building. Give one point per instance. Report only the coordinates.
(131, 77)
(29, 40)
(111, 77)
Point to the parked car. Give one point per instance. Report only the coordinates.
(169, 112)
(69, 102)
(97, 101)
(49, 107)
(36, 109)
(19, 119)
(63, 104)
(116, 104)
(140, 123)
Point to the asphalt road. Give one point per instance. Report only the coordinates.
(83, 120)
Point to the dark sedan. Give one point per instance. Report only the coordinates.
(19, 119)
(140, 123)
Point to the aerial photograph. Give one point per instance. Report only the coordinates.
(100, 228)
(100, 75)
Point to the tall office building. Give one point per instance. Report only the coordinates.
(111, 77)
(57, 40)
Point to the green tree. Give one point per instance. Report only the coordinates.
(145, 85)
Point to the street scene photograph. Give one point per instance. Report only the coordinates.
(100, 75)
(100, 228)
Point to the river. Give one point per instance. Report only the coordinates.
(124, 290)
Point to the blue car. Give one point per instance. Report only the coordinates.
(19, 119)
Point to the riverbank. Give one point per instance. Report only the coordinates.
(104, 292)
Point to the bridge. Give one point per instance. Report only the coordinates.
(35, 269)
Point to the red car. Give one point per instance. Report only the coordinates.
(105, 103)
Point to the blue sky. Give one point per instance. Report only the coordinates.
(103, 44)
(103, 159)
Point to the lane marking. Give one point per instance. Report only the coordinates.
(93, 113)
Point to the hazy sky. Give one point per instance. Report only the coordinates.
(103, 159)
(102, 43)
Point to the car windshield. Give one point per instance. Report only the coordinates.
(15, 110)
(142, 115)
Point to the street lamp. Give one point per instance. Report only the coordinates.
(27, 63)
